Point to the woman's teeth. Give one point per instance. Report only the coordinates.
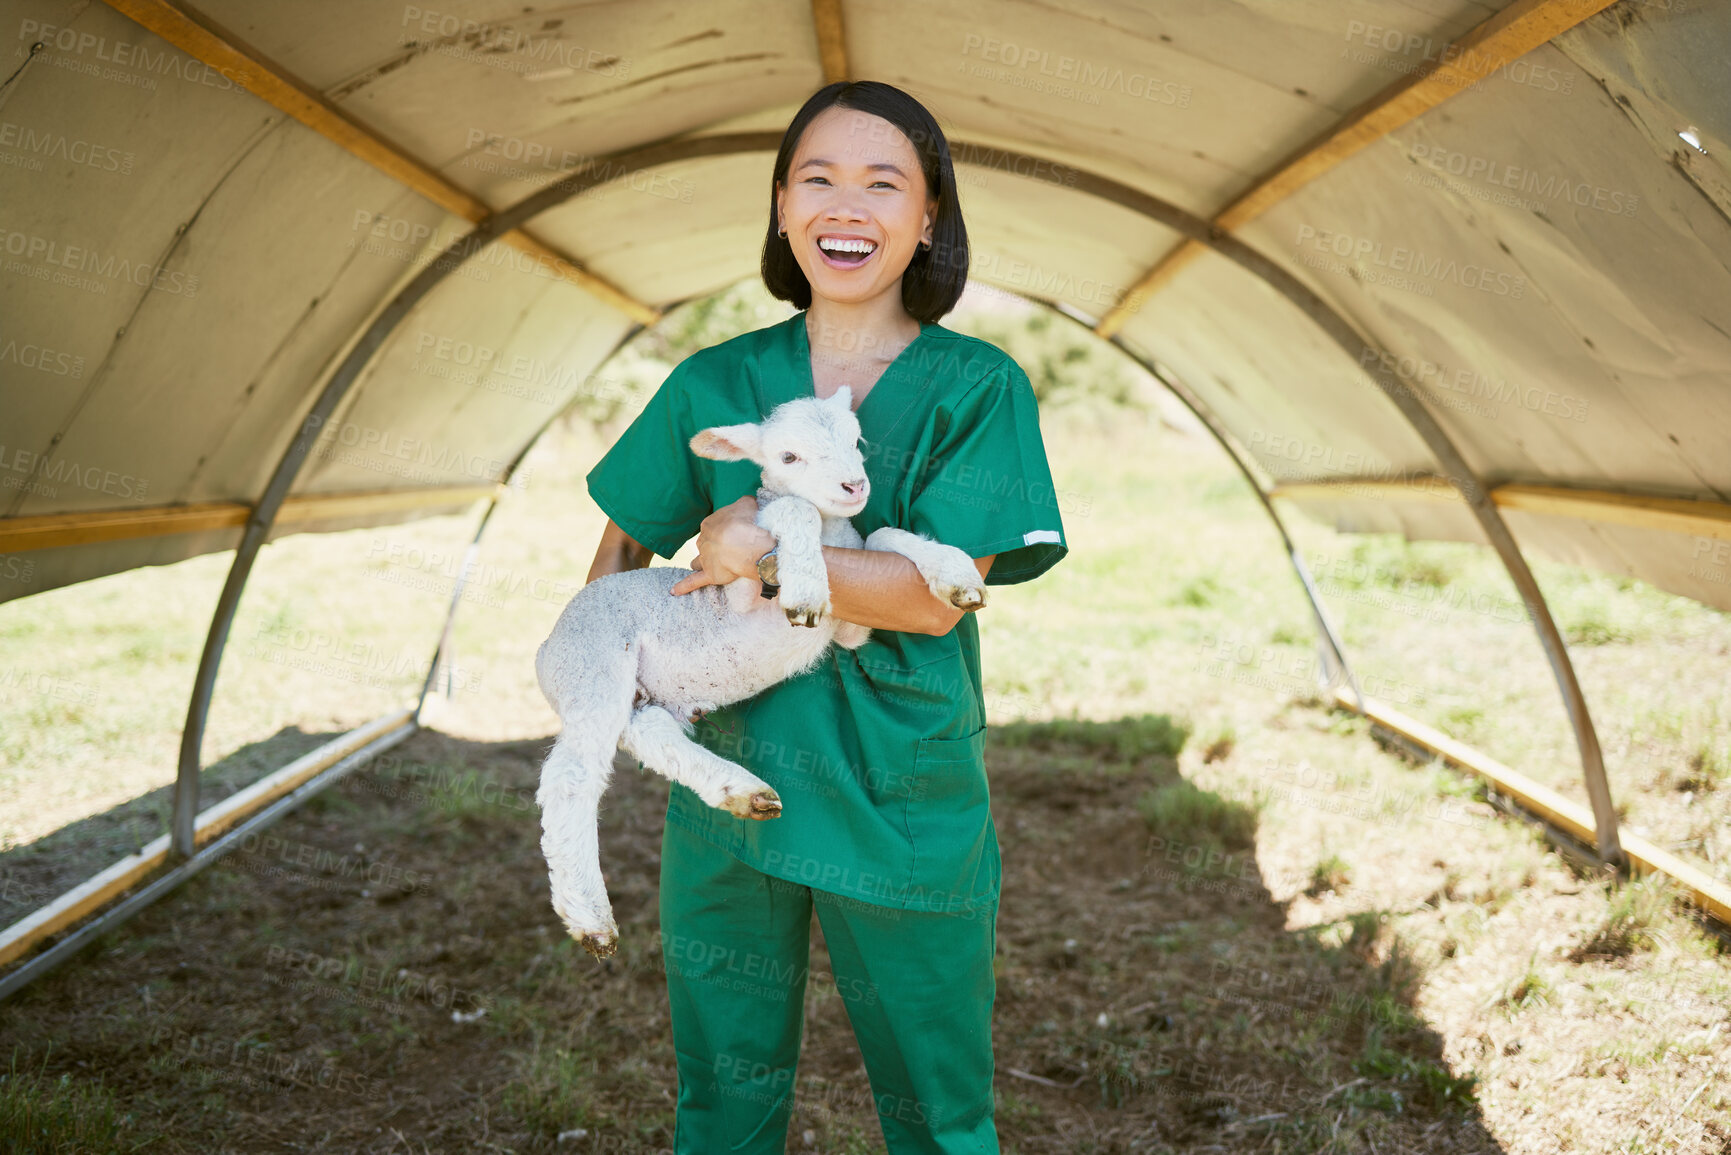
(847, 251)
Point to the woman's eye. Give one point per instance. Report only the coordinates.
(789, 458)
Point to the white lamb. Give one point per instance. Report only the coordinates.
(628, 665)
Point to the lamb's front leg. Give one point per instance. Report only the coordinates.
(797, 565)
(951, 574)
(655, 738)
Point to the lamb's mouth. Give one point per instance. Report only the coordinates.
(846, 252)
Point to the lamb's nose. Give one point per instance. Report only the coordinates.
(855, 488)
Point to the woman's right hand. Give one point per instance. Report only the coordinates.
(729, 542)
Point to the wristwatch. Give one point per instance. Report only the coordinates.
(770, 589)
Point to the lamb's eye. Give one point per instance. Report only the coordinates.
(789, 458)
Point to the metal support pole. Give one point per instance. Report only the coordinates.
(1334, 664)
(442, 652)
(258, 526)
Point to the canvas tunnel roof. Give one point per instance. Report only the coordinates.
(204, 212)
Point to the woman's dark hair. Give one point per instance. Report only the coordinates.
(936, 276)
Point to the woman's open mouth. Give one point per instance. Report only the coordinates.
(845, 252)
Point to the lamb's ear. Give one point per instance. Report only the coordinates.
(843, 397)
(729, 442)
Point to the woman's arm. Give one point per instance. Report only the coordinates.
(884, 591)
(617, 553)
(879, 590)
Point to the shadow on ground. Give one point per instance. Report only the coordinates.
(382, 971)
(38, 872)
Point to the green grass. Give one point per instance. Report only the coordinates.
(1182, 812)
(40, 1115)
(1529, 989)
(1122, 740)
(1637, 918)
(1407, 1078)
(1329, 875)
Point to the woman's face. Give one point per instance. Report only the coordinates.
(855, 205)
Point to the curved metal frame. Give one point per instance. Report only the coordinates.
(1333, 653)
(1332, 323)
(444, 647)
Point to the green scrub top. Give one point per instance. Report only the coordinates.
(878, 753)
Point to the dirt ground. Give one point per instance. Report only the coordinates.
(382, 972)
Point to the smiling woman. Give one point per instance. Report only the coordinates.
(878, 753)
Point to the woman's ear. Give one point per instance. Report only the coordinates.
(729, 443)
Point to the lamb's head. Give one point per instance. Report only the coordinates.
(806, 447)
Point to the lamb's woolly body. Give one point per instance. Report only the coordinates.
(629, 664)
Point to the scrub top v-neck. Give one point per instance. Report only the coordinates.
(878, 753)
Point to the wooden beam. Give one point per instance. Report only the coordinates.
(1503, 38)
(1347, 490)
(1643, 511)
(1677, 514)
(54, 530)
(248, 68)
(1152, 282)
(97, 891)
(1576, 820)
(831, 39)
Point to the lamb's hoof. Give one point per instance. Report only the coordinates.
(966, 597)
(599, 945)
(805, 615)
(757, 806)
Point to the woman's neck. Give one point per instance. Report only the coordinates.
(859, 334)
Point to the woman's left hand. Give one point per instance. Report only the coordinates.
(729, 542)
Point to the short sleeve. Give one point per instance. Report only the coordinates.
(649, 482)
(987, 488)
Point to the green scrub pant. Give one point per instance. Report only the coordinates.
(917, 986)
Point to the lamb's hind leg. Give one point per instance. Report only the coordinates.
(950, 574)
(573, 779)
(657, 739)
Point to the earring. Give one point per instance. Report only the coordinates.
(782, 232)
(925, 246)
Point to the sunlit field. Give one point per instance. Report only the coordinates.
(1232, 919)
